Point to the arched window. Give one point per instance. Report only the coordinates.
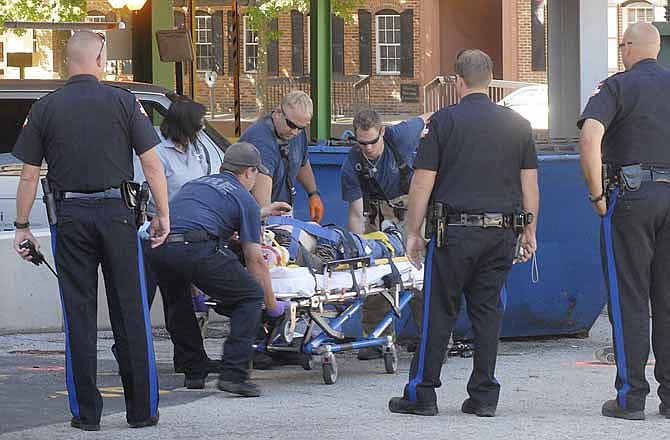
(388, 42)
(638, 11)
(95, 17)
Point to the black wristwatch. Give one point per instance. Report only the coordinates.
(596, 199)
(314, 193)
(18, 225)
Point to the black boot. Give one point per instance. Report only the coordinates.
(401, 405)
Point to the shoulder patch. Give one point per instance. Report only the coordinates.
(597, 90)
(141, 108)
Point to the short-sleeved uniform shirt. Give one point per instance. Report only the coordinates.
(87, 132)
(478, 149)
(406, 137)
(218, 204)
(262, 135)
(634, 108)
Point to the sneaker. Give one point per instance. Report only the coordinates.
(369, 353)
(76, 423)
(400, 405)
(612, 409)
(195, 380)
(151, 421)
(470, 407)
(664, 410)
(245, 389)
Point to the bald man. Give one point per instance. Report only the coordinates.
(87, 133)
(626, 126)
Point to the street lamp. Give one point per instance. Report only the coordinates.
(133, 5)
(117, 4)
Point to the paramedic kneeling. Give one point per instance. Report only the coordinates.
(205, 214)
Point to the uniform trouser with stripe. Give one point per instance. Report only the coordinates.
(474, 263)
(635, 245)
(219, 273)
(89, 233)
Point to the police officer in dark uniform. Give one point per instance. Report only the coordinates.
(87, 133)
(472, 249)
(626, 126)
(206, 212)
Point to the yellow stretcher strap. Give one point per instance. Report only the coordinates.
(380, 236)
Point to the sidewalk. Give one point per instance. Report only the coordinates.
(551, 389)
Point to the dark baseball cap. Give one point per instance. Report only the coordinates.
(240, 155)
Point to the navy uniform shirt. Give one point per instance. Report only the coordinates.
(406, 137)
(218, 204)
(87, 132)
(478, 149)
(634, 108)
(262, 135)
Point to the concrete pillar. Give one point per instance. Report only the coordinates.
(577, 60)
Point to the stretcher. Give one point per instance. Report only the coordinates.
(320, 304)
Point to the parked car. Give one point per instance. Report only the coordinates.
(532, 103)
(16, 98)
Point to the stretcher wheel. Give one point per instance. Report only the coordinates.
(307, 362)
(606, 355)
(329, 369)
(391, 359)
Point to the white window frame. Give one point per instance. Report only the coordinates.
(95, 19)
(379, 45)
(249, 43)
(634, 10)
(612, 39)
(203, 39)
(308, 68)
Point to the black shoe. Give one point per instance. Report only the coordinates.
(369, 353)
(664, 410)
(151, 421)
(262, 361)
(612, 409)
(401, 405)
(470, 407)
(76, 423)
(245, 389)
(195, 380)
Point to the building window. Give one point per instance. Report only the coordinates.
(388, 44)
(637, 12)
(612, 40)
(95, 18)
(203, 42)
(250, 49)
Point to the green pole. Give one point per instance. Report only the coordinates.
(320, 67)
(162, 17)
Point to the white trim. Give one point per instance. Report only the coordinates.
(394, 44)
(245, 43)
(207, 31)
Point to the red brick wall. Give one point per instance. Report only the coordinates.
(526, 73)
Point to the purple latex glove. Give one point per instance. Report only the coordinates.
(278, 310)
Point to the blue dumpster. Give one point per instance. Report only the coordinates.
(570, 292)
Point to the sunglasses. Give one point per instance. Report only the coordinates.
(373, 141)
(102, 37)
(624, 44)
(292, 125)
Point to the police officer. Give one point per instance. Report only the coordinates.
(473, 254)
(376, 172)
(87, 133)
(205, 214)
(629, 118)
(281, 139)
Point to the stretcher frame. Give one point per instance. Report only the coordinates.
(325, 313)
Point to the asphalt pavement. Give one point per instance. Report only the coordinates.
(551, 389)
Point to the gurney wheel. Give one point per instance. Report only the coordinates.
(329, 369)
(391, 359)
(307, 362)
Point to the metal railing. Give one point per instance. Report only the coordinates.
(348, 93)
(441, 91)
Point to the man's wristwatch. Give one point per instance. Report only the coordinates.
(596, 199)
(314, 193)
(18, 225)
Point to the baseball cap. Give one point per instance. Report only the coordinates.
(242, 154)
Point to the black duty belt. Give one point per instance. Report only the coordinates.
(485, 220)
(191, 237)
(111, 193)
(655, 174)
